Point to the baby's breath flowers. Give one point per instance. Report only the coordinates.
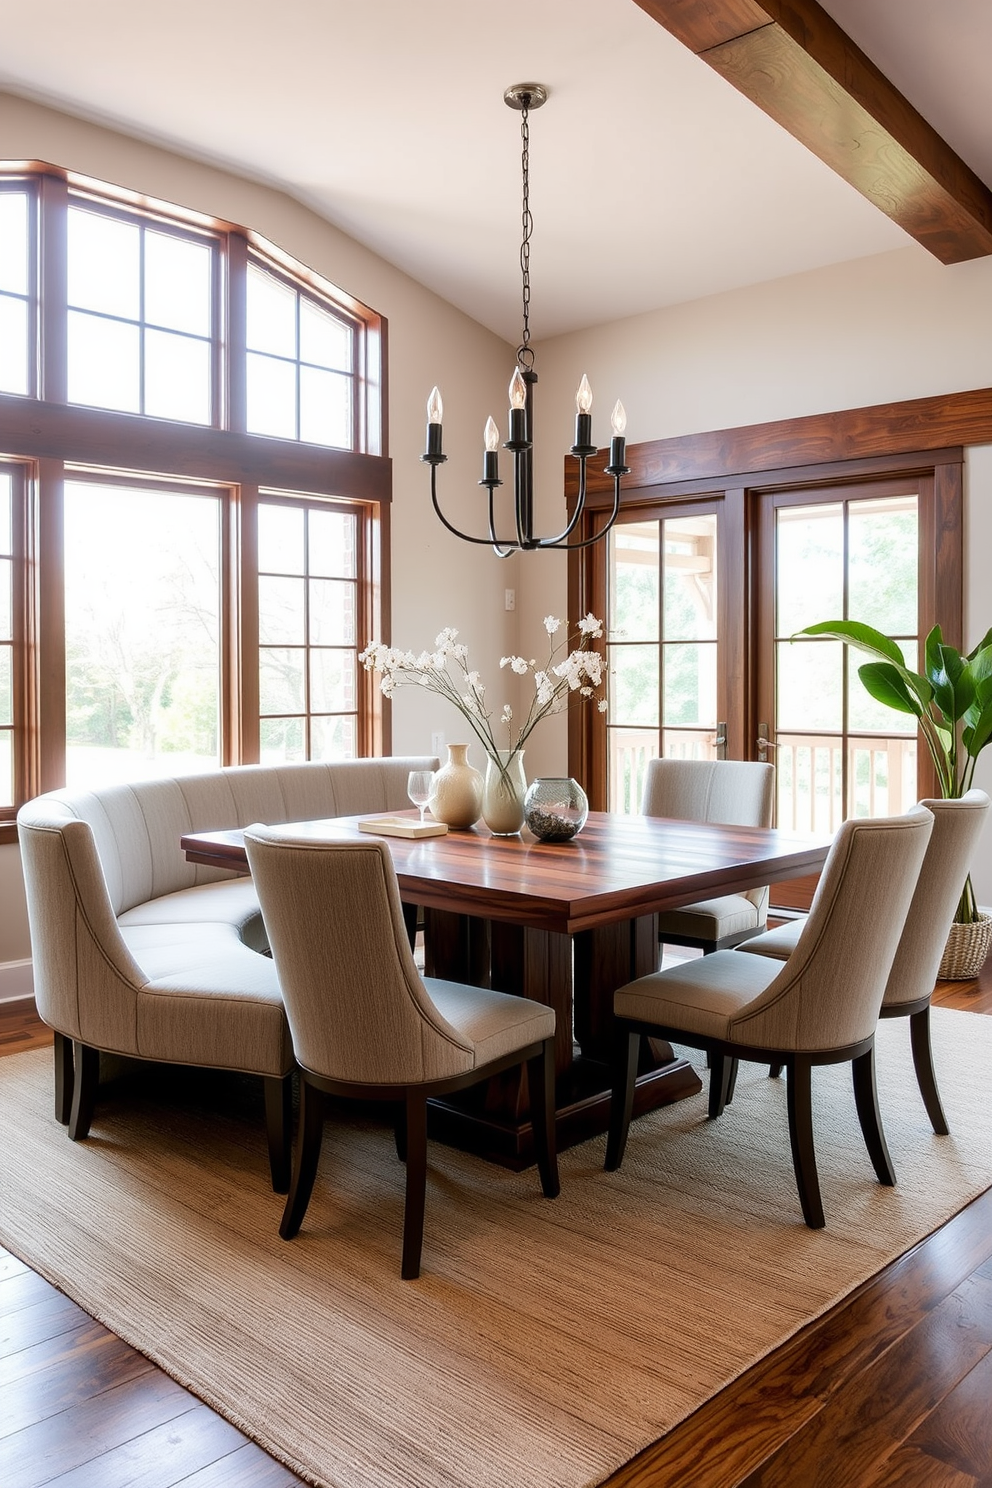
(446, 672)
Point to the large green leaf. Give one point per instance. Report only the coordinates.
(931, 652)
(864, 637)
(985, 644)
(953, 683)
(887, 685)
(975, 737)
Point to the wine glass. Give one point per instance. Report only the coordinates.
(418, 788)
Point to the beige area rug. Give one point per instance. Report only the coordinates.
(545, 1343)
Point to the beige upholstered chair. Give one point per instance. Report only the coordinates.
(819, 1007)
(737, 793)
(365, 1024)
(956, 829)
(209, 1000)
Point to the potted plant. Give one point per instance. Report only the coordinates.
(952, 702)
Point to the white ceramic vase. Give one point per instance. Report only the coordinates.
(456, 790)
(503, 797)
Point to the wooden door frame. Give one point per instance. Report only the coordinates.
(922, 436)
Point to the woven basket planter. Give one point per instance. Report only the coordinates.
(966, 949)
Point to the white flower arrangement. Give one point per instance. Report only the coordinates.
(445, 671)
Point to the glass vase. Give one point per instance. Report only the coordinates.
(555, 808)
(503, 794)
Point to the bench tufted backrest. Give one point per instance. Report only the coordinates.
(137, 827)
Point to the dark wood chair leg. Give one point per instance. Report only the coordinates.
(410, 916)
(85, 1083)
(774, 1070)
(308, 1140)
(63, 1078)
(800, 1106)
(541, 1086)
(626, 1050)
(735, 1065)
(720, 1070)
(866, 1100)
(279, 1128)
(416, 1184)
(919, 1034)
(399, 1131)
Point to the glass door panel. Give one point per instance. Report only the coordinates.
(662, 648)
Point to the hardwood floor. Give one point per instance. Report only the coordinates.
(889, 1390)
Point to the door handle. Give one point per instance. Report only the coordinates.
(763, 742)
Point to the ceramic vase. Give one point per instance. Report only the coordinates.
(456, 790)
(556, 808)
(503, 796)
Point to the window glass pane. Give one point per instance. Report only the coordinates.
(690, 685)
(690, 578)
(142, 624)
(333, 538)
(14, 242)
(280, 539)
(177, 377)
(6, 684)
(688, 744)
(883, 548)
(810, 689)
(324, 340)
(104, 265)
(104, 363)
(13, 345)
(280, 680)
(332, 680)
(281, 613)
(6, 768)
(325, 408)
(271, 397)
(332, 738)
(332, 612)
(177, 283)
(809, 566)
(881, 776)
(271, 314)
(634, 685)
(282, 740)
(634, 588)
(6, 600)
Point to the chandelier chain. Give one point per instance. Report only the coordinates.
(524, 352)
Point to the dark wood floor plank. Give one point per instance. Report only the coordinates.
(959, 1431)
(162, 1457)
(95, 1362)
(72, 1343)
(10, 1265)
(38, 1454)
(910, 1468)
(53, 1315)
(248, 1467)
(861, 1425)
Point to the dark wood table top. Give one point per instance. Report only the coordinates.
(617, 868)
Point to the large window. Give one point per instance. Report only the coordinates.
(193, 502)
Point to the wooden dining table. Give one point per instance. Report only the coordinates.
(563, 923)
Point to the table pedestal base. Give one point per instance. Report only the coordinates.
(577, 976)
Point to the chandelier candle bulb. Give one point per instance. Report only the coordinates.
(518, 411)
(618, 444)
(490, 458)
(583, 416)
(435, 409)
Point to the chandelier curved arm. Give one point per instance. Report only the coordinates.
(587, 542)
(486, 542)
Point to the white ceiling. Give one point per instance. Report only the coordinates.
(652, 180)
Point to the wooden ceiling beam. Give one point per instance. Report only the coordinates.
(793, 60)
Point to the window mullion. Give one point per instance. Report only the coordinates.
(52, 280)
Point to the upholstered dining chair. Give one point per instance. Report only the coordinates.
(366, 1025)
(736, 793)
(819, 1007)
(957, 826)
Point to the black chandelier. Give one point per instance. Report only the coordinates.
(527, 96)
